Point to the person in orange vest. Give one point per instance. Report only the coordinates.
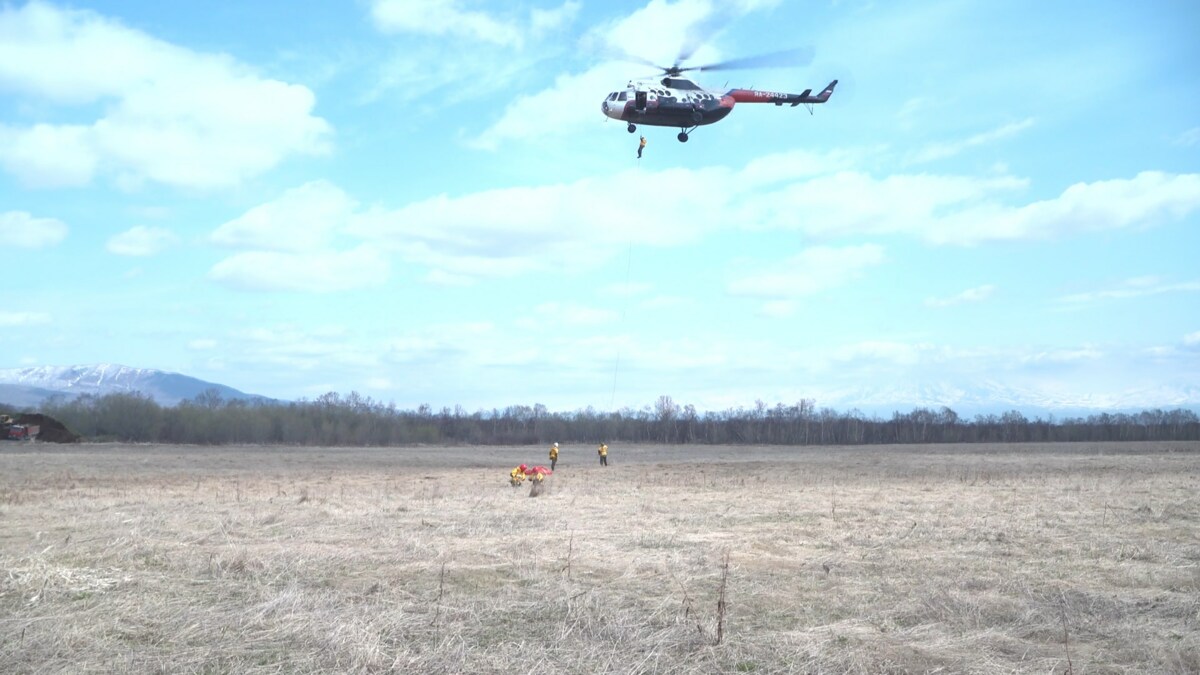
(553, 456)
(641, 146)
(603, 450)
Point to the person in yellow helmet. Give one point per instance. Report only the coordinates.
(553, 456)
(517, 476)
(641, 146)
(603, 450)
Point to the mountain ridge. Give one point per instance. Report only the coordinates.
(29, 387)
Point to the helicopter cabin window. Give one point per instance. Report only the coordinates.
(623, 96)
(612, 96)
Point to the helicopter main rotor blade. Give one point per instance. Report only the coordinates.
(787, 58)
(617, 53)
(699, 32)
(623, 55)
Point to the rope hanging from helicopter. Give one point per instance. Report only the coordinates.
(621, 321)
(681, 103)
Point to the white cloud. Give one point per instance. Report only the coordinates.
(437, 277)
(15, 319)
(779, 309)
(574, 314)
(1189, 138)
(912, 110)
(812, 270)
(303, 219)
(170, 115)
(464, 54)
(789, 166)
(1132, 288)
(966, 210)
(572, 102)
(850, 202)
(549, 20)
(22, 230)
(314, 272)
(448, 18)
(141, 241)
(1150, 198)
(512, 231)
(479, 343)
(977, 294)
(1192, 339)
(202, 344)
(47, 155)
(301, 348)
(938, 151)
(290, 245)
(443, 17)
(1084, 353)
(899, 353)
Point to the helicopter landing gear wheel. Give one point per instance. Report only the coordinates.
(683, 137)
(631, 128)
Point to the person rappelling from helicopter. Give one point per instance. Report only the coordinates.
(641, 146)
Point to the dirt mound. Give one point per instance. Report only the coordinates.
(52, 431)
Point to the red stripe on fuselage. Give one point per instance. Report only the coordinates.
(755, 96)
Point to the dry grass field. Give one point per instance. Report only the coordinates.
(1079, 558)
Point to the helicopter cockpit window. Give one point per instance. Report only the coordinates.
(623, 96)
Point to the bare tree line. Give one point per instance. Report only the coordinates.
(355, 420)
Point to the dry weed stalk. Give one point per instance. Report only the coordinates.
(570, 551)
(687, 603)
(721, 599)
(437, 605)
(1066, 635)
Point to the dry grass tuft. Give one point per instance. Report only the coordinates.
(966, 559)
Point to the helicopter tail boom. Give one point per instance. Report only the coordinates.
(778, 98)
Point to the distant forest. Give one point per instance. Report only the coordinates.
(354, 420)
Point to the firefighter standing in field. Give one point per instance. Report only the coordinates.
(603, 450)
(553, 455)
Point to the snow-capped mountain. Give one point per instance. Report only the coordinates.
(994, 398)
(30, 386)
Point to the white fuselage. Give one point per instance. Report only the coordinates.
(673, 102)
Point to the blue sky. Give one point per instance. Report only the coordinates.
(421, 201)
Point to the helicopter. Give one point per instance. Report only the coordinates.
(676, 101)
